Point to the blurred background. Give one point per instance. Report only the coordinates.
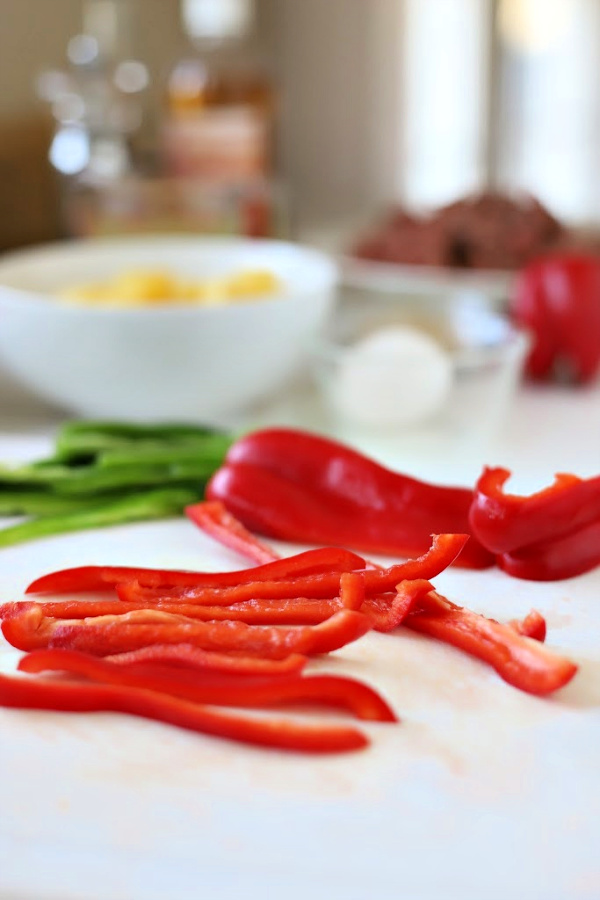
(338, 109)
(432, 149)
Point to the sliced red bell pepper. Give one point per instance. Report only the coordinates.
(296, 486)
(525, 663)
(317, 587)
(22, 692)
(215, 520)
(505, 522)
(73, 609)
(27, 628)
(388, 611)
(188, 657)
(289, 611)
(352, 590)
(564, 557)
(102, 578)
(444, 549)
(533, 626)
(385, 611)
(324, 690)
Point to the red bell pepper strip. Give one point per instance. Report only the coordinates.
(557, 299)
(188, 657)
(32, 693)
(352, 590)
(289, 611)
(385, 612)
(324, 690)
(102, 578)
(525, 663)
(27, 628)
(317, 587)
(388, 611)
(533, 626)
(296, 486)
(73, 609)
(505, 522)
(215, 520)
(444, 549)
(253, 608)
(565, 557)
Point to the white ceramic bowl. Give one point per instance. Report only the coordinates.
(169, 362)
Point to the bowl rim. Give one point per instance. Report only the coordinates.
(326, 272)
(514, 346)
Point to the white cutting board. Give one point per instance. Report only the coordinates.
(481, 793)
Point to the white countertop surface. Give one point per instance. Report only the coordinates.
(481, 793)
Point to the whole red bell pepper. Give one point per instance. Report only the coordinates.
(324, 690)
(296, 486)
(557, 299)
(22, 692)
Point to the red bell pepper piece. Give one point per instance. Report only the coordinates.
(533, 626)
(74, 609)
(273, 609)
(385, 611)
(102, 578)
(324, 690)
(295, 486)
(557, 299)
(317, 587)
(29, 693)
(564, 557)
(525, 663)
(289, 611)
(388, 611)
(352, 590)
(505, 522)
(444, 549)
(186, 656)
(27, 628)
(214, 519)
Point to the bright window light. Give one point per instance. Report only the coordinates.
(445, 49)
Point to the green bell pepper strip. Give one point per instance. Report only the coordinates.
(141, 506)
(211, 450)
(40, 503)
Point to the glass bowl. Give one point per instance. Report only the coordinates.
(418, 377)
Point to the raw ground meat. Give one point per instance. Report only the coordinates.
(486, 231)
